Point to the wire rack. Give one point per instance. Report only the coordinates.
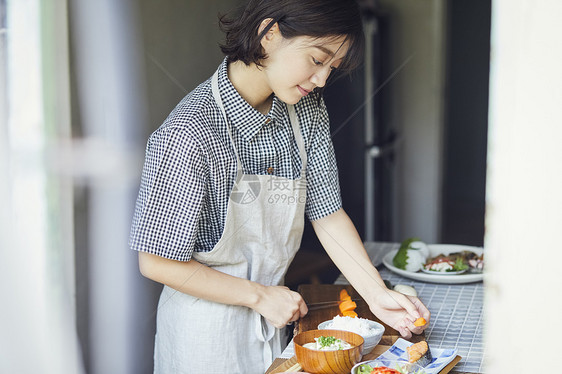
(456, 318)
(457, 311)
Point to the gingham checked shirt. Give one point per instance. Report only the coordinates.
(190, 166)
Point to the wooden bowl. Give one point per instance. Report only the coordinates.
(328, 362)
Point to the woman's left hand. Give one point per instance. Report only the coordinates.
(400, 312)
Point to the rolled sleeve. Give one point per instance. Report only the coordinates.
(323, 188)
(170, 200)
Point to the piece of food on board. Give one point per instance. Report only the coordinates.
(419, 353)
(420, 322)
(346, 305)
(350, 313)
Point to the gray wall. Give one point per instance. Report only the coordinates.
(181, 45)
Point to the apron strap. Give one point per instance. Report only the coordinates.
(218, 99)
(298, 137)
(263, 330)
(265, 334)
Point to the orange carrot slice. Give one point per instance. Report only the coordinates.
(420, 322)
(347, 305)
(349, 313)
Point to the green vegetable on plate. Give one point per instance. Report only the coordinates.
(409, 258)
(459, 265)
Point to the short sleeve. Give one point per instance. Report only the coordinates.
(323, 188)
(171, 195)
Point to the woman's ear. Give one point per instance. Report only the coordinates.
(271, 35)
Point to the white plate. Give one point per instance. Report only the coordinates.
(443, 272)
(434, 250)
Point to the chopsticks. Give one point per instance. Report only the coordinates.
(322, 305)
(325, 304)
(295, 368)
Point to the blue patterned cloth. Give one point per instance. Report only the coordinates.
(441, 357)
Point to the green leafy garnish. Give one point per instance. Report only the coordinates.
(459, 265)
(365, 369)
(401, 258)
(326, 341)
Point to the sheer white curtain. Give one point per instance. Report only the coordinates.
(42, 163)
(36, 258)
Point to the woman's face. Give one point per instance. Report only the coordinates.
(294, 67)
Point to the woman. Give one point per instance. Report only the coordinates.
(227, 181)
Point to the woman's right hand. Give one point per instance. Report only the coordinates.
(279, 305)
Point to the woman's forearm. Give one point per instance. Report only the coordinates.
(277, 304)
(196, 279)
(340, 239)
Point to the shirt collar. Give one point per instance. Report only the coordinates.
(247, 120)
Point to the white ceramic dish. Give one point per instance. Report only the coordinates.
(403, 367)
(441, 357)
(434, 250)
(371, 341)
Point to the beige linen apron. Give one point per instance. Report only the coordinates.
(262, 233)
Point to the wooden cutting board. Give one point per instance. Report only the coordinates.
(316, 293)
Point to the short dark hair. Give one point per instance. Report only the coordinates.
(314, 18)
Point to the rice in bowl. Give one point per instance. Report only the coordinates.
(371, 331)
